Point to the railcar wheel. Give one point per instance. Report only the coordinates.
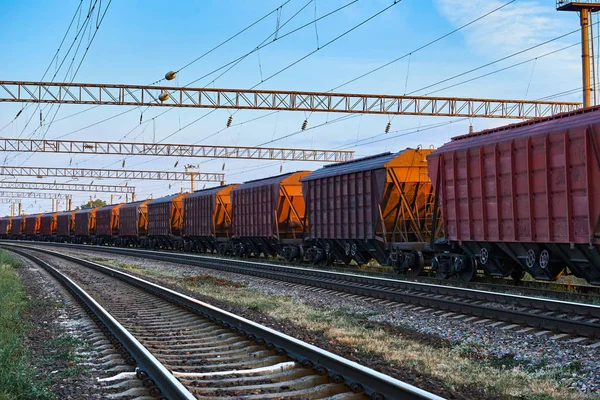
(466, 268)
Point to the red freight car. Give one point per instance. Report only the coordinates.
(207, 219)
(107, 223)
(48, 225)
(268, 216)
(133, 223)
(32, 226)
(165, 221)
(524, 197)
(17, 226)
(85, 225)
(5, 227)
(65, 226)
(377, 207)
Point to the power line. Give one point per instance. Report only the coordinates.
(423, 46)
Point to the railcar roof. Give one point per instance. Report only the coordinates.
(267, 181)
(360, 164)
(565, 120)
(166, 199)
(209, 191)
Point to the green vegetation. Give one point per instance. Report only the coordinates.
(17, 379)
(93, 204)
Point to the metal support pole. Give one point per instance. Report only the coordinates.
(585, 57)
(20, 208)
(192, 181)
(132, 197)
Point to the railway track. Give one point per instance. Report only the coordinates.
(186, 349)
(562, 317)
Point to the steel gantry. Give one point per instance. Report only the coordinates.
(174, 150)
(42, 172)
(66, 187)
(34, 195)
(165, 96)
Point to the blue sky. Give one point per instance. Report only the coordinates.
(139, 41)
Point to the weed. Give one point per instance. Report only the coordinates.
(211, 280)
(17, 377)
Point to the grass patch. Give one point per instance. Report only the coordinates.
(211, 280)
(17, 378)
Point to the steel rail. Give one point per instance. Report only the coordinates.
(453, 299)
(147, 364)
(358, 378)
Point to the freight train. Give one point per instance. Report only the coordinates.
(505, 201)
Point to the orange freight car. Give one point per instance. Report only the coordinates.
(377, 207)
(107, 224)
(165, 222)
(268, 216)
(133, 223)
(207, 219)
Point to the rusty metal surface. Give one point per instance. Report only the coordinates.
(136, 95)
(107, 220)
(530, 182)
(85, 222)
(208, 212)
(269, 208)
(48, 223)
(65, 223)
(388, 197)
(133, 219)
(165, 215)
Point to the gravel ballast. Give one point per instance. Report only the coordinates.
(576, 364)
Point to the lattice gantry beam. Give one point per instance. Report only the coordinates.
(164, 96)
(173, 150)
(42, 172)
(68, 187)
(34, 195)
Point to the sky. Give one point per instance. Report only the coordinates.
(138, 41)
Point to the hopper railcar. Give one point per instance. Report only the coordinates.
(379, 207)
(85, 226)
(65, 226)
(207, 220)
(165, 222)
(269, 216)
(107, 224)
(133, 224)
(47, 229)
(5, 223)
(522, 198)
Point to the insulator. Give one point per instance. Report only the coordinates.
(170, 75)
(176, 164)
(141, 115)
(163, 96)
(304, 124)
(281, 168)
(387, 127)
(123, 164)
(19, 113)
(470, 128)
(229, 120)
(223, 167)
